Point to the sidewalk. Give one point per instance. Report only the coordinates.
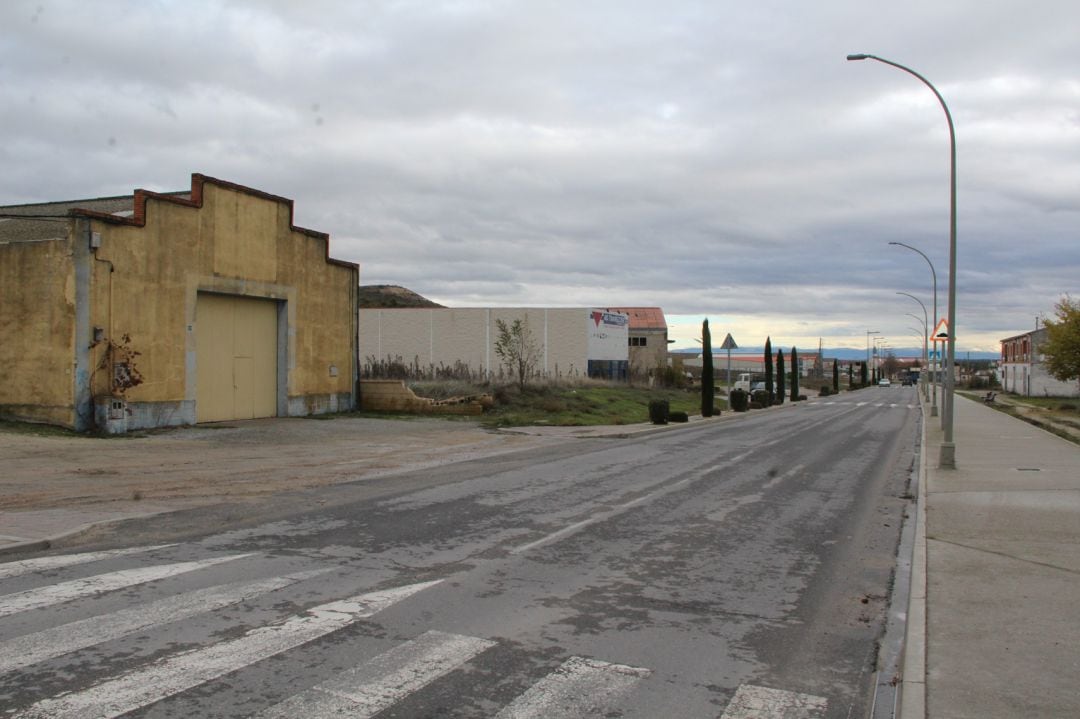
(994, 617)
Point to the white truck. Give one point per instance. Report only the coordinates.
(749, 382)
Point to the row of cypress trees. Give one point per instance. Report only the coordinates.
(775, 392)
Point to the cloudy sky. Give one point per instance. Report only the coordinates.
(716, 159)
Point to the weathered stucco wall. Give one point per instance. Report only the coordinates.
(148, 273)
(37, 324)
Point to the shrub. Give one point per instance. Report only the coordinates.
(659, 411)
(756, 405)
(761, 397)
(681, 416)
(825, 391)
(739, 400)
(801, 398)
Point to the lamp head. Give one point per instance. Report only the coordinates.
(858, 56)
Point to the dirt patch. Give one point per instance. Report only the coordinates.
(242, 460)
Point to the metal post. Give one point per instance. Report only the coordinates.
(934, 361)
(947, 456)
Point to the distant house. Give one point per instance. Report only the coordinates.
(156, 309)
(647, 338)
(1023, 369)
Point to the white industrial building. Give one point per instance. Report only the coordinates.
(570, 342)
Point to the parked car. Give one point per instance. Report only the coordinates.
(907, 382)
(884, 382)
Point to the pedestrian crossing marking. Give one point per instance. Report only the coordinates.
(180, 672)
(25, 566)
(90, 586)
(368, 688)
(755, 702)
(579, 688)
(73, 636)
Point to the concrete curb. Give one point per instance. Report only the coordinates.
(913, 680)
(38, 545)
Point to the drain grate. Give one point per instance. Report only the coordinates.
(1028, 469)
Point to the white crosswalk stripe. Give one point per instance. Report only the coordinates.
(754, 702)
(66, 638)
(579, 688)
(25, 566)
(90, 586)
(186, 670)
(384, 681)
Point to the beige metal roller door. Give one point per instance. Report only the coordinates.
(236, 358)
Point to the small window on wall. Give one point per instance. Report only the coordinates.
(637, 341)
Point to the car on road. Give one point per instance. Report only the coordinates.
(884, 382)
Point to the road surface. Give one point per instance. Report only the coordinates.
(732, 570)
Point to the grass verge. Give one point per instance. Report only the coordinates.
(584, 406)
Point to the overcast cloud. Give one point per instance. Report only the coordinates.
(716, 159)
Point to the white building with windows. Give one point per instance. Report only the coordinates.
(1023, 369)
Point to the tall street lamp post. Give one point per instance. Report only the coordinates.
(934, 363)
(868, 333)
(926, 396)
(947, 457)
(878, 350)
(926, 333)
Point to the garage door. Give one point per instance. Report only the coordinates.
(236, 358)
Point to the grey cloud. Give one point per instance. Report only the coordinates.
(713, 160)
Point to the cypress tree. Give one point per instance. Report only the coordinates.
(836, 376)
(862, 373)
(794, 374)
(779, 376)
(768, 369)
(707, 388)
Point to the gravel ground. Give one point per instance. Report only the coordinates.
(207, 464)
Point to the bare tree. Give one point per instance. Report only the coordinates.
(517, 349)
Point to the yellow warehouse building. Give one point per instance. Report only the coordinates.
(162, 309)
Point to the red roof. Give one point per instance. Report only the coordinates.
(643, 318)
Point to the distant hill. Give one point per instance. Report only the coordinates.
(380, 296)
(843, 354)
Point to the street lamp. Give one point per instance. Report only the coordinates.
(933, 369)
(868, 333)
(947, 458)
(926, 332)
(877, 355)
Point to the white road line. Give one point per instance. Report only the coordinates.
(57, 641)
(368, 688)
(25, 566)
(753, 702)
(181, 672)
(89, 586)
(579, 688)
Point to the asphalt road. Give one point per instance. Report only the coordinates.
(726, 570)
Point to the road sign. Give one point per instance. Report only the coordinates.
(729, 343)
(941, 332)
